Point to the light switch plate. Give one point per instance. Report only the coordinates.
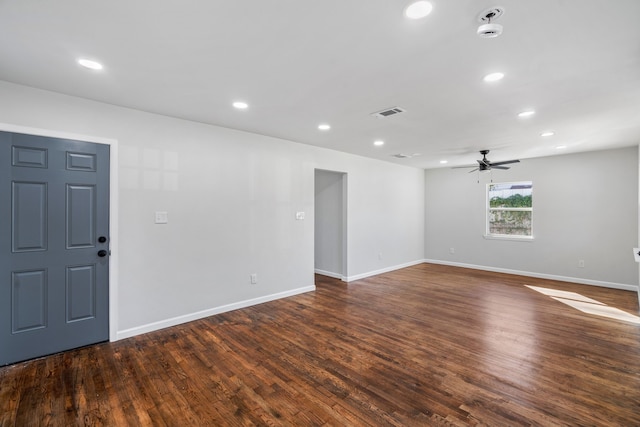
(636, 255)
(299, 215)
(162, 218)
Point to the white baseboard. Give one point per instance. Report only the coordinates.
(383, 270)
(578, 280)
(150, 327)
(127, 333)
(329, 274)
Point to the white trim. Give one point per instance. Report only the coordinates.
(383, 270)
(329, 274)
(150, 327)
(511, 209)
(579, 280)
(113, 207)
(514, 238)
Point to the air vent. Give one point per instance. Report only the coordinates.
(389, 112)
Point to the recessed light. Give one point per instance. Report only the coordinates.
(418, 10)
(547, 134)
(378, 143)
(444, 162)
(92, 65)
(561, 147)
(527, 113)
(240, 105)
(493, 77)
(324, 126)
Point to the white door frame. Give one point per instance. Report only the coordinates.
(113, 207)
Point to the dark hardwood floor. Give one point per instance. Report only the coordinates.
(426, 345)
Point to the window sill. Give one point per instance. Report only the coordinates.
(512, 238)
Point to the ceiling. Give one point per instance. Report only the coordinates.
(301, 63)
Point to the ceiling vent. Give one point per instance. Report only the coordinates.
(389, 112)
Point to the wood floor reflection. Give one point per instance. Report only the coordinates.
(426, 345)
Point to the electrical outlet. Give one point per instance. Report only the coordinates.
(452, 250)
(581, 263)
(254, 278)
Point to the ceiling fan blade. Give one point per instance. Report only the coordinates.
(464, 167)
(506, 162)
(473, 170)
(500, 167)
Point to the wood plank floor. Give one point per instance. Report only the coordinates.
(426, 345)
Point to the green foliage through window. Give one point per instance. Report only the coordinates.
(514, 201)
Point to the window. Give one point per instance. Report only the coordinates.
(509, 209)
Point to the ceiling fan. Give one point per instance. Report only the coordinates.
(486, 165)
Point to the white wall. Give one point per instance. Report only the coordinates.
(328, 232)
(231, 197)
(585, 208)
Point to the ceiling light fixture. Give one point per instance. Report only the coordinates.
(324, 126)
(418, 10)
(444, 162)
(527, 113)
(487, 29)
(547, 134)
(493, 77)
(378, 143)
(561, 147)
(240, 105)
(92, 65)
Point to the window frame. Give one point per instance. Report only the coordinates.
(489, 209)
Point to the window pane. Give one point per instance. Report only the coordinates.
(510, 195)
(512, 223)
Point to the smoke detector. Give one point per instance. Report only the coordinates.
(487, 28)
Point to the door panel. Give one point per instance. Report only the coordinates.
(81, 217)
(54, 205)
(29, 216)
(29, 157)
(28, 300)
(81, 293)
(81, 162)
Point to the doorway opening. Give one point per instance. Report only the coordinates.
(330, 227)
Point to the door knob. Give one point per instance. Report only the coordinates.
(102, 253)
(102, 239)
